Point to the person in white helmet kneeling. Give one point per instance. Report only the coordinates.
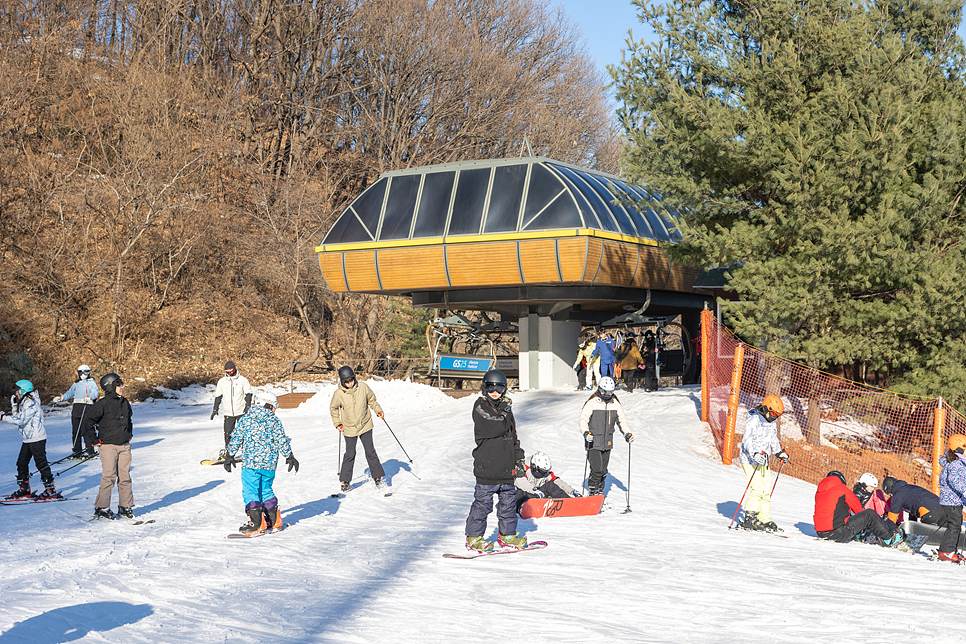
(539, 482)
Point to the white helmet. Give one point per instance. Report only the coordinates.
(869, 480)
(606, 387)
(83, 371)
(541, 462)
(266, 399)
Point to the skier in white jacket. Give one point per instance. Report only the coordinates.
(758, 443)
(235, 391)
(29, 418)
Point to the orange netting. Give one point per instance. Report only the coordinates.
(829, 423)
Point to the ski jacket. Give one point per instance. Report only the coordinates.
(600, 418)
(236, 393)
(586, 355)
(915, 500)
(112, 415)
(759, 436)
(497, 447)
(259, 437)
(28, 416)
(82, 392)
(878, 503)
(952, 482)
(350, 408)
(529, 483)
(605, 349)
(834, 505)
(632, 359)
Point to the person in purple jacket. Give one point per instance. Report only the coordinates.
(605, 349)
(952, 496)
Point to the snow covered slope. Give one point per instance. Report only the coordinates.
(369, 569)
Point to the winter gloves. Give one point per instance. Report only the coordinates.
(588, 440)
(782, 455)
(520, 469)
(230, 461)
(629, 437)
(292, 463)
(214, 410)
(761, 458)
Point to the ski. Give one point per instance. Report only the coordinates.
(771, 532)
(534, 545)
(37, 499)
(242, 535)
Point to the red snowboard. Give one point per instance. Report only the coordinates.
(576, 507)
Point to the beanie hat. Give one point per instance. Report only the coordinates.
(229, 365)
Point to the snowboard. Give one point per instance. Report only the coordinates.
(933, 535)
(213, 461)
(242, 535)
(575, 507)
(533, 545)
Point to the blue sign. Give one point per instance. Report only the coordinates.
(464, 363)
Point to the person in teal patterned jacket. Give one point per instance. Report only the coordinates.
(259, 437)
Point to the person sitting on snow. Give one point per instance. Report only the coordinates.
(870, 497)
(839, 516)
(539, 482)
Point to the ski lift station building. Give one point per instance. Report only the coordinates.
(546, 244)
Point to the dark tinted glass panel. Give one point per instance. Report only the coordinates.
(399, 207)
(369, 205)
(600, 208)
(347, 229)
(587, 215)
(433, 204)
(561, 213)
(606, 190)
(470, 198)
(505, 199)
(544, 188)
(660, 231)
(630, 202)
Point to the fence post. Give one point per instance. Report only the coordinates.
(703, 359)
(729, 439)
(938, 429)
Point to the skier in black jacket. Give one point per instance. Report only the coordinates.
(497, 460)
(112, 416)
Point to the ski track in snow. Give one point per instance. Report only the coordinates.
(368, 569)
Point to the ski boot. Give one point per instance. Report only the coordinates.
(951, 557)
(273, 518)
(344, 486)
(256, 521)
(23, 492)
(381, 483)
(50, 492)
(125, 512)
(751, 522)
(894, 541)
(512, 541)
(103, 513)
(479, 544)
(770, 526)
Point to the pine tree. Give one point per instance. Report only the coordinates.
(407, 325)
(818, 151)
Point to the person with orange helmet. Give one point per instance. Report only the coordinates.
(759, 442)
(952, 496)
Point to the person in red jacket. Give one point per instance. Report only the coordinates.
(839, 515)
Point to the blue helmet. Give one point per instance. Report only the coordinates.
(24, 387)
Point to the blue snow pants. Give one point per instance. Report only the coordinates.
(506, 509)
(257, 485)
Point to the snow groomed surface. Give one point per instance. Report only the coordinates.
(368, 569)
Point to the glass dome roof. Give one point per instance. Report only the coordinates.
(506, 196)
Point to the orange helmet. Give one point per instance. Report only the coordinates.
(957, 442)
(774, 404)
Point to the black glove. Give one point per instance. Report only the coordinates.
(292, 463)
(229, 461)
(520, 469)
(629, 437)
(782, 455)
(588, 439)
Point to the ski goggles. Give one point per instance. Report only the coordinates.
(490, 387)
(231, 372)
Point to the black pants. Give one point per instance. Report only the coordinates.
(599, 458)
(949, 517)
(650, 377)
(349, 460)
(230, 427)
(856, 524)
(582, 377)
(77, 413)
(38, 451)
(631, 378)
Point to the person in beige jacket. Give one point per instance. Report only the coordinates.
(350, 414)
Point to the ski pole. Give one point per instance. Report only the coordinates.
(777, 477)
(80, 423)
(73, 466)
(743, 497)
(397, 440)
(628, 479)
(338, 465)
(586, 483)
(49, 463)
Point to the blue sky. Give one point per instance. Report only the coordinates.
(605, 23)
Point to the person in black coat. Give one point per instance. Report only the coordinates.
(112, 417)
(497, 460)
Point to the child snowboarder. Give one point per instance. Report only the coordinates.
(349, 409)
(497, 460)
(112, 415)
(601, 414)
(758, 443)
(83, 393)
(259, 437)
(952, 495)
(540, 482)
(29, 418)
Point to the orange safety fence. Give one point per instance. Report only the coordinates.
(829, 423)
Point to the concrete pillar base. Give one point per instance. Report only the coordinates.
(548, 349)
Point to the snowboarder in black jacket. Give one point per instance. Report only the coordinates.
(497, 460)
(112, 416)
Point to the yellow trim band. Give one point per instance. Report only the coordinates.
(475, 239)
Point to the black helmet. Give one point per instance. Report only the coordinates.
(496, 380)
(887, 484)
(110, 381)
(838, 475)
(346, 373)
